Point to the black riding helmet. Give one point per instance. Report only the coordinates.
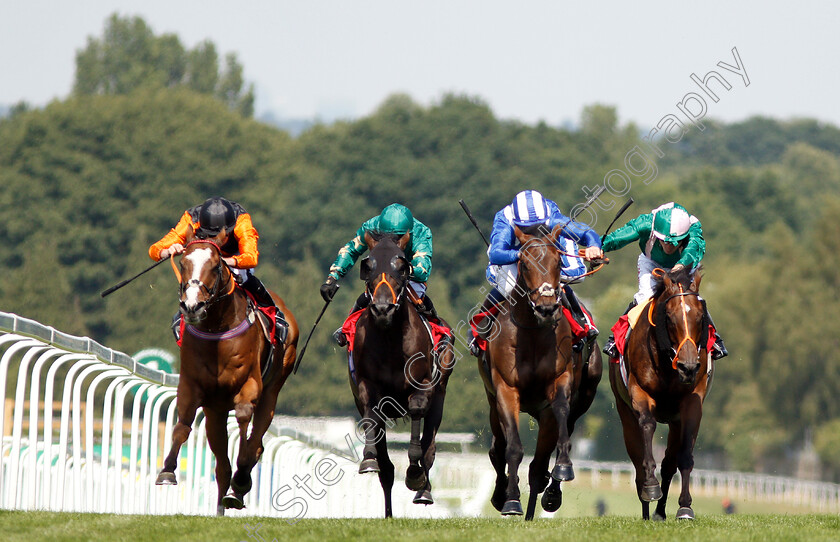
(215, 214)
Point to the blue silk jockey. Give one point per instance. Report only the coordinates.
(670, 238)
(529, 212)
(394, 219)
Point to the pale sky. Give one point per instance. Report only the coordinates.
(529, 60)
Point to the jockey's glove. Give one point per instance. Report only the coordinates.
(329, 288)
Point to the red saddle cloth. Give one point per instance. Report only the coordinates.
(578, 331)
(621, 330)
(349, 329)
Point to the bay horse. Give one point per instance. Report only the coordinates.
(223, 368)
(397, 370)
(668, 374)
(530, 366)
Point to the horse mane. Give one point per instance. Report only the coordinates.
(683, 277)
(378, 236)
(537, 230)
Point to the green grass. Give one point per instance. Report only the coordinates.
(748, 527)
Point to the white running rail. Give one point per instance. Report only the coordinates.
(85, 428)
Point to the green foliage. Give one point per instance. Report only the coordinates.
(129, 57)
(91, 182)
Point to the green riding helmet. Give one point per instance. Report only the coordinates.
(395, 218)
(671, 223)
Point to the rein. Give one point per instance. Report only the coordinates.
(213, 294)
(661, 332)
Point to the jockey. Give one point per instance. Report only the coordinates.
(529, 211)
(229, 225)
(671, 239)
(395, 219)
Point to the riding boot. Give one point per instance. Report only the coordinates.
(361, 302)
(176, 326)
(255, 287)
(610, 348)
(427, 309)
(493, 298)
(578, 314)
(719, 349)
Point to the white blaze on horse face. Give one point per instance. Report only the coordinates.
(546, 290)
(198, 258)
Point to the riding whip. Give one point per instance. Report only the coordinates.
(302, 350)
(474, 223)
(618, 214)
(116, 287)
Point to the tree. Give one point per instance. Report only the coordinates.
(129, 57)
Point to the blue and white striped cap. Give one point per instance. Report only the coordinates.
(529, 208)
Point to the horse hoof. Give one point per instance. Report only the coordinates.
(657, 517)
(551, 500)
(415, 478)
(651, 493)
(232, 500)
(166, 479)
(563, 473)
(424, 496)
(685, 513)
(368, 465)
(512, 508)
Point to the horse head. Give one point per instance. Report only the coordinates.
(680, 321)
(539, 272)
(203, 279)
(385, 272)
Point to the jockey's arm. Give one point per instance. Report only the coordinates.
(421, 246)
(247, 236)
(502, 241)
(583, 235)
(172, 242)
(696, 247)
(626, 234)
(349, 253)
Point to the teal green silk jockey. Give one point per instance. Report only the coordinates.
(644, 230)
(396, 219)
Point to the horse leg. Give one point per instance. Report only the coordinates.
(416, 475)
(188, 403)
(243, 408)
(538, 472)
(562, 471)
(427, 443)
(669, 467)
(590, 377)
(633, 442)
(691, 412)
(263, 415)
(508, 409)
(386, 473)
(371, 424)
(498, 445)
(216, 427)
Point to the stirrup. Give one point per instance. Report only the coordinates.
(176, 326)
(610, 349)
(339, 337)
(719, 351)
(281, 329)
(474, 349)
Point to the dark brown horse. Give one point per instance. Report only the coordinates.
(398, 370)
(668, 375)
(224, 353)
(529, 366)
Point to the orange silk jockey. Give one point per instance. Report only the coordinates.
(241, 244)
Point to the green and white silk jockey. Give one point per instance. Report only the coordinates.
(670, 238)
(396, 219)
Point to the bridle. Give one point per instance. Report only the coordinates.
(662, 339)
(213, 293)
(544, 290)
